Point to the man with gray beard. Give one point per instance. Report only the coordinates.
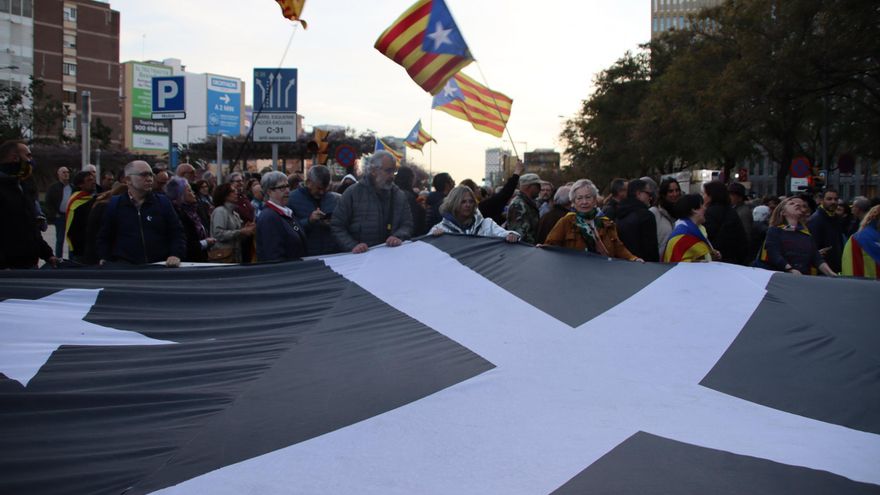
(373, 210)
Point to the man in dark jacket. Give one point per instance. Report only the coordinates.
(22, 244)
(313, 206)
(493, 206)
(636, 225)
(141, 226)
(826, 230)
(374, 210)
(442, 183)
(78, 209)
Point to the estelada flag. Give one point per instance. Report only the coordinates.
(382, 145)
(292, 9)
(426, 41)
(487, 110)
(78, 199)
(686, 243)
(862, 254)
(418, 137)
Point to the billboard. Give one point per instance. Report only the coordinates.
(146, 134)
(224, 105)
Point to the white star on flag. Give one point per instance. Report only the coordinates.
(33, 330)
(440, 36)
(449, 90)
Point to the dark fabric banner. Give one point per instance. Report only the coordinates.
(448, 365)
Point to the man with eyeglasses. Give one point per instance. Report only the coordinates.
(140, 226)
(313, 205)
(636, 225)
(373, 210)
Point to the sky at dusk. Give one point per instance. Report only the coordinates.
(544, 55)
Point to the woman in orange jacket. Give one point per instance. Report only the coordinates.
(586, 229)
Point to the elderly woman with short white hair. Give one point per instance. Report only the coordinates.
(586, 229)
(279, 235)
(461, 216)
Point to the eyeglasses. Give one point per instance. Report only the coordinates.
(280, 188)
(583, 198)
(236, 180)
(143, 174)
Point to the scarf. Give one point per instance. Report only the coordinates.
(281, 210)
(587, 224)
(463, 228)
(189, 209)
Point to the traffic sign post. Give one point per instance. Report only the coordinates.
(224, 105)
(275, 99)
(169, 101)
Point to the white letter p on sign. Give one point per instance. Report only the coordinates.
(167, 91)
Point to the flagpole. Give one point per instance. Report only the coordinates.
(431, 149)
(500, 117)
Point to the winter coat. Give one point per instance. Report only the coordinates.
(135, 235)
(364, 214)
(320, 239)
(665, 223)
(827, 233)
(279, 237)
(523, 217)
(21, 243)
(485, 227)
(493, 206)
(567, 234)
(226, 229)
(727, 234)
(638, 229)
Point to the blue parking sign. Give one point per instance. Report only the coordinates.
(169, 101)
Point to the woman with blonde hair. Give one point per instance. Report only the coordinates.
(861, 255)
(789, 246)
(461, 216)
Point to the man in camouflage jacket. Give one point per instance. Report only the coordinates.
(522, 214)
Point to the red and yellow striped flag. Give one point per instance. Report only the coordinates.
(292, 9)
(487, 110)
(430, 58)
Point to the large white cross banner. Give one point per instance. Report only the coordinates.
(559, 397)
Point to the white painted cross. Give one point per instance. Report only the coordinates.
(33, 330)
(559, 399)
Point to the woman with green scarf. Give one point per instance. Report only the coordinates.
(586, 229)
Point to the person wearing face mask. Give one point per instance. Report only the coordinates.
(22, 244)
(374, 210)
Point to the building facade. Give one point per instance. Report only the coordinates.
(16, 42)
(494, 169)
(672, 14)
(76, 49)
(541, 161)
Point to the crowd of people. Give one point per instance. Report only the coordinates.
(153, 215)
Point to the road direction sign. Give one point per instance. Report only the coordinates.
(275, 90)
(169, 101)
(275, 127)
(275, 105)
(224, 105)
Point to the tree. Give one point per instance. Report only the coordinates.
(101, 134)
(31, 113)
(599, 140)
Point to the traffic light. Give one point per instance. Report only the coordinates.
(322, 147)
